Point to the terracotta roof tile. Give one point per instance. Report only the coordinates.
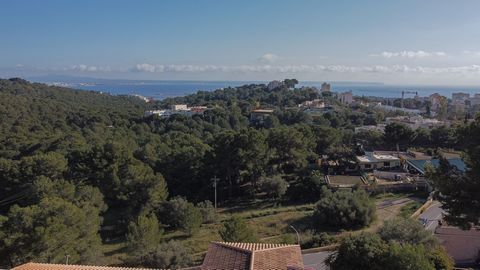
(252, 256)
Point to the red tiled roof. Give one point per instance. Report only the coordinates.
(463, 246)
(252, 256)
(49, 266)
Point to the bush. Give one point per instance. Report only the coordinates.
(208, 211)
(407, 256)
(181, 214)
(369, 251)
(344, 209)
(365, 251)
(440, 259)
(312, 239)
(393, 248)
(274, 186)
(171, 255)
(406, 231)
(237, 230)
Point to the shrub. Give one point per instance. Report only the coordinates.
(274, 186)
(406, 231)
(365, 251)
(311, 239)
(440, 259)
(171, 255)
(181, 214)
(208, 211)
(344, 209)
(397, 250)
(369, 251)
(237, 230)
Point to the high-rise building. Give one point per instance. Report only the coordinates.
(346, 97)
(325, 87)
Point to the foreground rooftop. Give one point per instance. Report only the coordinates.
(252, 256)
(220, 255)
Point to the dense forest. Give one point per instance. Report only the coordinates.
(85, 165)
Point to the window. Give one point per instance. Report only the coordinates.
(386, 164)
(368, 166)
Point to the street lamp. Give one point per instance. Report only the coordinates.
(298, 235)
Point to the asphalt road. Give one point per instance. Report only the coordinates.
(315, 261)
(432, 215)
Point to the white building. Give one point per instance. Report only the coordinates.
(378, 128)
(459, 100)
(326, 87)
(460, 97)
(161, 113)
(373, 161)
(475, 100)
(177, 109)
(312, 104)
(416, 121)
(346, 97)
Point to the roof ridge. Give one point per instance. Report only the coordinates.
(227, 245)
(245, 246)
(252, 260)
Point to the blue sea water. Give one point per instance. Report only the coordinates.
(163, 89)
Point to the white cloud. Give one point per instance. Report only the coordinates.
(87, 68)
(295, 69)
(410, 54)
(268, 58)
(144, 68)
(472, 53)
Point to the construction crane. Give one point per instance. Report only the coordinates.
(407, 92)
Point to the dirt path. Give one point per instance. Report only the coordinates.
(387, 210)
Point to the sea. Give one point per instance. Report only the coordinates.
(164, 89)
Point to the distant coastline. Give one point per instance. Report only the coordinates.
(160, 89)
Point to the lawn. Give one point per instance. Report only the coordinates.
(345, 180)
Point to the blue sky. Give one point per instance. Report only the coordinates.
(401, 42)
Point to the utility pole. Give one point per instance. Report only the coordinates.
(215, 180)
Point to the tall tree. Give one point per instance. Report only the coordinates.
(291, 149)
(459, 191)
(49, 231)
(143, 235)
(398, 134)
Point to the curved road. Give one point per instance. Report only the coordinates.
(432, 215)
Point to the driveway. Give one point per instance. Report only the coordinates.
(315, 261)
(432, 215)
